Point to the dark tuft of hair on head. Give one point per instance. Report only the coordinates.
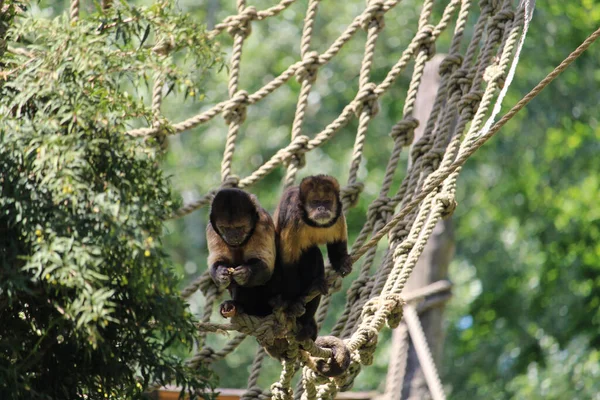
(233, 204)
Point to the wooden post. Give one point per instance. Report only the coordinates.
(431, 267)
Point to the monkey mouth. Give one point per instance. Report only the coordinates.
(233, 240)
(322, 218)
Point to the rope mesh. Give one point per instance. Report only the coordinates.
(469, 83)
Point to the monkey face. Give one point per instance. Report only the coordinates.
(234, 234)
(321, 209)
(233, 214)
(319, 196)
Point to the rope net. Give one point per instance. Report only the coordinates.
(469, 83)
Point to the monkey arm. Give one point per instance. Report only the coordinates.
(219, 272)
(338, 256)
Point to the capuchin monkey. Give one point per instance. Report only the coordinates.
(241, 247)
(307, 216)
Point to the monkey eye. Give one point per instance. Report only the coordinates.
(314, 203)
(327, 203)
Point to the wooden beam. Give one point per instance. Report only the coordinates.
(172, 393)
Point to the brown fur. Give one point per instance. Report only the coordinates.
(301, 266)
(260, 245)
(245, 269)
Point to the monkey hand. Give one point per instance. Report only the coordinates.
(345, 267)
(228, 309)
(241, 275)
(222, 277)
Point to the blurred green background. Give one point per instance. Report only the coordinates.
(524, 321)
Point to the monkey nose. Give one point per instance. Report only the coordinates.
(321, 209)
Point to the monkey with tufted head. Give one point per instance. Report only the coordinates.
(309, 215)
(242, 251)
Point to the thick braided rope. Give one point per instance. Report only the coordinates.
(466, 148)
(74, 10)
(306, 76)
(235, 112)
(423, 61)
(423, 353)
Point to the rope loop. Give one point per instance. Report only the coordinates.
(374, 15)
(450, 64)
(426, 40)
(307, 71)
(235, 110)
(241, 24)
(351, 193)
(449, 203)
(469, 103)
(232, 181)
(403, 132)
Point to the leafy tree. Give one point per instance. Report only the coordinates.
(88, 303)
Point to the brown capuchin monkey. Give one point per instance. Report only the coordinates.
(241, 246)
(310, 215)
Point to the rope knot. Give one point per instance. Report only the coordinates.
(206, 354)
(164, 46)
(373, 16)
(449, 203)
(232, 181)
(298, 147)
(404, 247)
(281, 392)
(252, 393)
(501, 18)
(395, 304)
(309, 67)
(366, 99)
(450, 64)
(241, 24)
(460, 79)
(382, 208)
(400, 232)
(403, 132)
(351, 193)
(469, 103)
(434, 157)
(493, 73)
(235, 110)
(426, 40)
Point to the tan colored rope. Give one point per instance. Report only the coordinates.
(423, 353)
(306, 75)
(74, 10)
(434, 163)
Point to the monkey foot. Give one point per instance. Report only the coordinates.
(228, 309)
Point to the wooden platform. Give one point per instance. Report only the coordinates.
(172, 393)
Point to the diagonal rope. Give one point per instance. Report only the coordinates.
(425, 195)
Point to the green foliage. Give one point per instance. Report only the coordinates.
(87, 299)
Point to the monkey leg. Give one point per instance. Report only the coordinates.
(307, 325)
